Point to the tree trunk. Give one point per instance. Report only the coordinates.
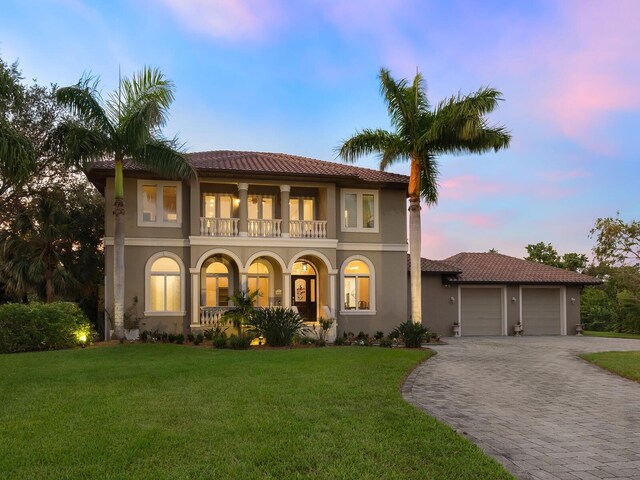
(415, 242)
(414, 252)
(48, 285)
(118, 254)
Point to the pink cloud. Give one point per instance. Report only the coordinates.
(465, 187)
(558, 176)
(232, 20)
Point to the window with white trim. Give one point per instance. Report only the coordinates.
(357, 287)
(258, 279)
(164, 286)
(159, 204)
(359, 211)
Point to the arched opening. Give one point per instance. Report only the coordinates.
(218, 281)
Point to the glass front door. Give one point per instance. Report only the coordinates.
(303, 291)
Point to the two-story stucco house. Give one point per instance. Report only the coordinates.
(327, 238)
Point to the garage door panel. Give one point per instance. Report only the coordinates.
(541, 311)
(481, 311)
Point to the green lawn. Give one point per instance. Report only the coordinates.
(626, 364)
(172, 412)
(612, 335)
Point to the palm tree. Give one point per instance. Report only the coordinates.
(243, 311)
(33, 248)
(125, 126)
(456, 125)
(17, 155)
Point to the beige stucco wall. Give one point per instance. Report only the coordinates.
(573, 309)
(390, 293)
(135, 259)
(393, 220)
(438, 313)
(131, 216)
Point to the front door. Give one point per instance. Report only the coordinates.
(303, 288)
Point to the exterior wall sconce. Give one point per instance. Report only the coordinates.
(452, 300)
(513, 299)
(573, 301)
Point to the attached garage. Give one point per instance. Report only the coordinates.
(481, 311)
(542, 311)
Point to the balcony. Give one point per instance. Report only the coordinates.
(229, 227)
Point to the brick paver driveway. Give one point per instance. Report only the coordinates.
(535, 407)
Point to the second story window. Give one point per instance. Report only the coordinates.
(301, 208)
(260, 207)
(159, 204)
(218, 205)
(360, 211)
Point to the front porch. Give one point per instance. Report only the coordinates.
(307, 286)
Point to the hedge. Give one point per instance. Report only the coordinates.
(41, 326)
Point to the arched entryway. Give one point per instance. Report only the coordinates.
(218, 281)
(304, 289)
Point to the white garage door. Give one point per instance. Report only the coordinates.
(481, 311)
(541, 311)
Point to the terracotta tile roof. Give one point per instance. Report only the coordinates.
(498, 268)
(264, 163)
(434, 266)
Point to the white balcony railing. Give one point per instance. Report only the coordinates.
(219, 227)
(265, 228)
(308, 228)
(212, 315)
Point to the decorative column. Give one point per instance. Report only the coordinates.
(333, 294)
(195, 296)
(284, 209)
(195, 204)
(244, 284)
(243, 223)
(286, 296)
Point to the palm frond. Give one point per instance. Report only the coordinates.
(84, 101)
(17, 155)
(368, 142)
(429, 174)
(78, 145)
(149, 91)
(164, 157)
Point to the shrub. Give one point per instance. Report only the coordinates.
(180, 338)
(386, 342)
(191, 337)
(39, 326)
(240, 343)
(340, 341)
(220, 341)
(411, 333)
(379, 335)
(278, 325)
(217, 328)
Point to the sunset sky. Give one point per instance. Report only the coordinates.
(300, 76)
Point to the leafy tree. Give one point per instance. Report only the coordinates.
(124, 126)
(456, 125)
(545, 253)
(493, 250)
(617, 241)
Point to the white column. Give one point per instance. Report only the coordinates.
(195, 296)
(286, 298)
(243, 281)
(333, 294)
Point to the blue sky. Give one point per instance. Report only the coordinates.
(300, 76)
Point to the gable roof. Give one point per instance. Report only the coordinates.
(266, 164)
(498, 268)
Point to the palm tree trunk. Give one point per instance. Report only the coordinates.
(415, 241)
(118, 253)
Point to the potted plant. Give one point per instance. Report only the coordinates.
(517, 329)
(456, 329)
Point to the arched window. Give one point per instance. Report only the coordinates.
(357, 286)
(258, 279)
(217, 285)
(165, 286)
